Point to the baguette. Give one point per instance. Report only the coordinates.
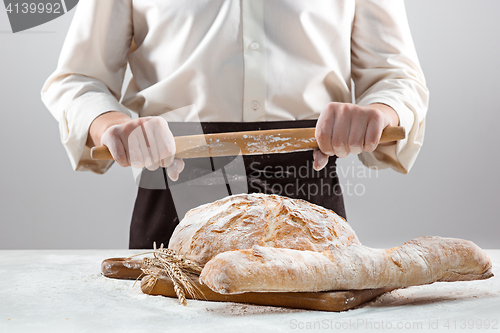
(420, 261)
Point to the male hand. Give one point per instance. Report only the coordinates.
(345, 128)
(143, 142)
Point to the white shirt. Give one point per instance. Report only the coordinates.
(240, 61)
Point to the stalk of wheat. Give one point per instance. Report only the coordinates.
(182, 271)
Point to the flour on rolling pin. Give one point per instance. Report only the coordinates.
(270, 144)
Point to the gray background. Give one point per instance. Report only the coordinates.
(451, 191)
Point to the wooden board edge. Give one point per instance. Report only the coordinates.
(333, 301)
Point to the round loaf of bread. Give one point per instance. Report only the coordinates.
(241, 221)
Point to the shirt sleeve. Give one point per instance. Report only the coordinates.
(385, 69)
(89, 76)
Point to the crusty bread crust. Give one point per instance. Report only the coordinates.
(258, 242)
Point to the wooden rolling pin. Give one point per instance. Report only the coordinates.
(248, 143)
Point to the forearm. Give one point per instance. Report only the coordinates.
(102, 123)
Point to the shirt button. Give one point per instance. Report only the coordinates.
(254, 46)
(255, 105)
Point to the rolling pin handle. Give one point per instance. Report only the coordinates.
(101, 153)
(392, 133)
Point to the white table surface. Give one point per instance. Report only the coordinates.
(64, 291)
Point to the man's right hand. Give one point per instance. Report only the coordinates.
(143, 142)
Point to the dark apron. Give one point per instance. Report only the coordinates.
(155, 214)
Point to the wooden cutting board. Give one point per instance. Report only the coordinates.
(123, 268)
(323, 301)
